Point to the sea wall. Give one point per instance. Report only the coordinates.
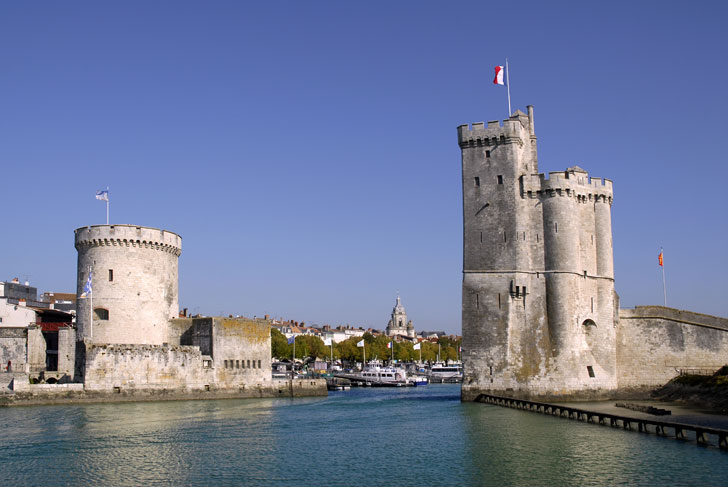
(654, 343)
(74, 393)
(119, 367)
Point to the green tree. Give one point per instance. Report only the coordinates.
(279, 347)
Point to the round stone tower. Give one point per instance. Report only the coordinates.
(134, 283)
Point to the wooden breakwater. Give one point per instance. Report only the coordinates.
(702, 435)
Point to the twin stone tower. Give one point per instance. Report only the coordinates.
(539, 304)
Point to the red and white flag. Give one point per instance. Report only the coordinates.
(498, 76)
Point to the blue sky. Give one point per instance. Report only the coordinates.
(306, 152)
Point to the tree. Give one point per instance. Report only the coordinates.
(279, 347)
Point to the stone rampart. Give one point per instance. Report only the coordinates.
(120, 367)
(654, 343)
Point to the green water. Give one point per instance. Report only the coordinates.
(405, 437)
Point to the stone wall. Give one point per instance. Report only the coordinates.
(66, 350)
(36, 350)
(144, 367)
(654, 343)
(241, 352)
(13, 348)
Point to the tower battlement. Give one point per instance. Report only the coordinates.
(516, 129)
(128, 236)
(572, 182)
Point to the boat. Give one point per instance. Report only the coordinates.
(420, 380)
(378, 376)
(443, 373)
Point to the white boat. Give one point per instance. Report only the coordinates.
(446, 373)
(377, 375)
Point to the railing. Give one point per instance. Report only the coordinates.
(46, 326)
(700, 434)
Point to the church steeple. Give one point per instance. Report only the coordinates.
(398, 324)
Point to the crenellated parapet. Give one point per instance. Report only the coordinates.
(128, 236)
(574, 182)
(515, 130)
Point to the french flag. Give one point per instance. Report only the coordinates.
(498, 76)
(389, 344)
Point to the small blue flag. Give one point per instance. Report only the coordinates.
(291, 340)
(102, 195)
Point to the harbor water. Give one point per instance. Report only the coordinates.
(391, 436)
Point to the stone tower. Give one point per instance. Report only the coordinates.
(398, 323)
(538, 285)
(134, 283)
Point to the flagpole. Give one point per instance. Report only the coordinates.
(107, 205)
(364, 353)
(91, 305)
(392, 353)
(664, 288)
(508, 85)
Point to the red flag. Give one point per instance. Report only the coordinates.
(498, 76)
(659, 259)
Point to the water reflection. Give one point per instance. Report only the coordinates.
(511, 447)
(410, 437)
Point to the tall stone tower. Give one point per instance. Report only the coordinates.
(134, 283)
(538, 284)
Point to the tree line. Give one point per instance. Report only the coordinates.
(376, 348)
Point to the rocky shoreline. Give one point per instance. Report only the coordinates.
(709, 392)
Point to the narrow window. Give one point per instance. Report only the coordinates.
(477, 300)
(505, 239)
(592, 304)
(111, 275)
(592, 239)
(237, 364)
(248, 363)
(226, 364)
(481, 237)
(258, 363)
(499, 304)
(242, 364)
(556, 227)
(477, 182)
(500, 179)
(491, 370)
(101, 314)
(585, 273)
(487, 154)
(590, 369)
(524, 236)
(538, 239)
